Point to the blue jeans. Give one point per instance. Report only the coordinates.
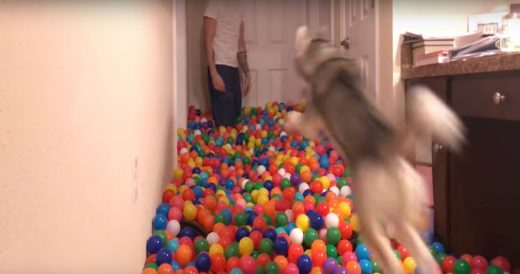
(226, 106)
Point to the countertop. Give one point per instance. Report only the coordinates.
(493, 63)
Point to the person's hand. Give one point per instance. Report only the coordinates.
(247, 84)
(218, 83)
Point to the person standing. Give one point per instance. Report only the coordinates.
(227, 57)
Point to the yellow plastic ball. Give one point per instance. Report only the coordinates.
(344, 209)
(354, 221)
(263, 191)
(409, 265)
(262, 199)
(302, 222)
(189, 211)
(254, 195)
(245, 246)
(182, 188)
(177, 173)
(216, 249)
(325, 181)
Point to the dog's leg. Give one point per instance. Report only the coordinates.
(309, 123)
(410, 238)
(372, 179)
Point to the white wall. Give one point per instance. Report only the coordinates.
(85, 133)
(198, 94)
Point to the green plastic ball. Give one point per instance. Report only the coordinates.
(331, 251)
(310, 236)
(201, 245)
(272, 268)
(240, 219)
(281, 219)
(461, 267)
(266, 246)
(333, 235)
(493, 269)
(231, 250)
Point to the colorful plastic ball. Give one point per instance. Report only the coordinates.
(409, 265)
(218, 263)
(241, 233)
(164, 256)
(272, 268)
(232, 250)
(333, 235)
(448, 263)
(187, 232)
(159, 222)
(344, 246)
(201, 245)
(236, 271)
(153, 244)
(248, 264)
(212, 238)
(304, 264)
(366, 266)
(310, 236)
(189, 211)
(461, 267)
(349, 257)
(281, 219)
(184, 254)
(296, 236)
(501, 262)
(281, 246)
(479, 262)
(332, 220)
(362, 252)
(353, 267)
(149, 271)
(318, 257)
(270, 234)
(291, 268)
(493, 269)
(340, 270)
(302, 222)
(174, 227)
(438, 247)
(165, 269)
(203, 262)
(266, 246)
(295, 250)
(330, 265)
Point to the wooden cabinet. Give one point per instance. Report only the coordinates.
(477, 193)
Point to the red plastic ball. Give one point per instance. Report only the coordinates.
(448, 264)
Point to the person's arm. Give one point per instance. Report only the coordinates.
(210, 26)
(242, 59)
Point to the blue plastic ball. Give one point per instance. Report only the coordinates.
(203, 262)
(270, 234)
(281, 246)
(438, 247)
(236, 271)
(362, 252)
(280, 230)
(187, 232)
(241, 233)
(173, 245)
(164, 256)
(229, 184)
(289, 228)
(159, 222)
(153, 244)
(268, 185)
(176, 265)
(163, 209)
(304, 264)
(366, 266)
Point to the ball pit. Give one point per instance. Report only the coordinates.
(269, 202)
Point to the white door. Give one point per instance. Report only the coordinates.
(357, 30)
(270, 27)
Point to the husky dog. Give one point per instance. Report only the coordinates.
(390, 196)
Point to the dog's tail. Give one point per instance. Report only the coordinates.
(429, 117)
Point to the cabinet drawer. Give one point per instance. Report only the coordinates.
(495, 96)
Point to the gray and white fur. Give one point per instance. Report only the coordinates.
(390, 196)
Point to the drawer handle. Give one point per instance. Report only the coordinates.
(498, 98)
(437, 148)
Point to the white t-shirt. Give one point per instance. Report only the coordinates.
(229, 14)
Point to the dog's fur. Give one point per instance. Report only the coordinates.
(390, 196)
